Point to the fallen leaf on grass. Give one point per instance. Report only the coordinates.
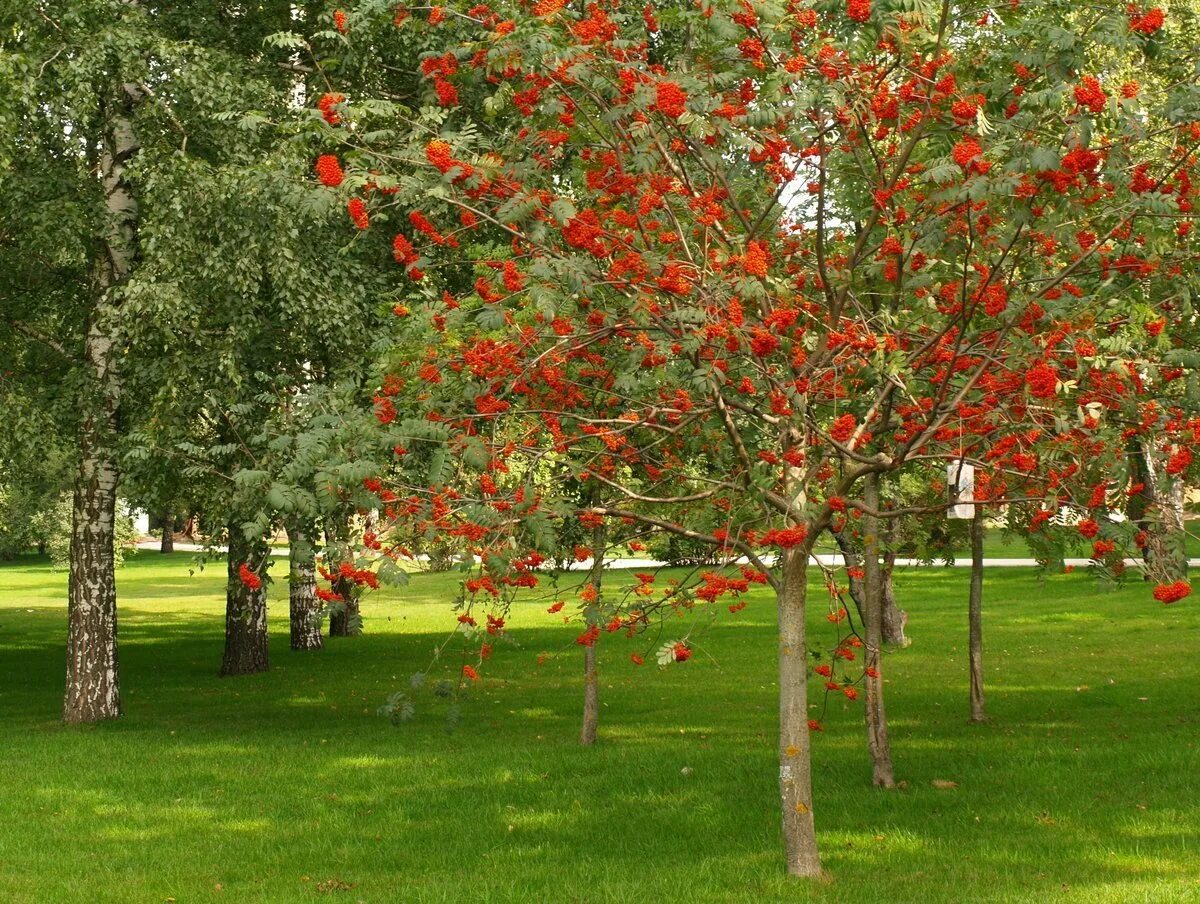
(334, 885)
(943, 784)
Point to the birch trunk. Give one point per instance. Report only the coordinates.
(882, 773)
(304, 608)
(1159, 514)
(1173, 546)
(245, 608)
(795, 761)
(591, 680)
(93, 676)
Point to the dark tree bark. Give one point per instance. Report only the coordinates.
(894, 618)
(93, 677)
(1138, 504)
(975, 618)
(591, 680)
(304, 609)
(795, 761)
(168, 533)
(245, 607)
(344, 618)
(882, 772)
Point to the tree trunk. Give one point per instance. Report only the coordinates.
(894, 618)
(1160, 515)
(591, 680)
(853, 562)
(305, 609)
(245, 607)
(882, 773)
(1172, 548)
(1138, 505)
(975, 617)
(93, 678)
(343, 621)
(168, 533)
(795, 761)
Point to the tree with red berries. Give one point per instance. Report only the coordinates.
(806, 255)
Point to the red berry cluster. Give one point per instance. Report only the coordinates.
(1146, 23)
(358, 212)
(1090, 94)
(326, 105)
(252, 581)
(1172, 593)
(329, 170)
(670, 100)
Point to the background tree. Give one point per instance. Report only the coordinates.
(120, 116)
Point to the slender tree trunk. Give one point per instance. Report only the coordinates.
(795, 761)
(305, 609)
(591, 680)
(168, 533)
(245, 608)
(1138, 504)
(591, 698)
(343, 621)
(894, 618)
(975, 617)
(882, 773)
(93, 677)
(853, 563)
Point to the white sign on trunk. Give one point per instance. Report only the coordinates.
(960, 482)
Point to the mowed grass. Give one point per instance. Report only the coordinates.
(288, 787)
(1001, 544)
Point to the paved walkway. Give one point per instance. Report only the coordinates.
(829, 559)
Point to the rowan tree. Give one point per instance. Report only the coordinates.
(825, 238)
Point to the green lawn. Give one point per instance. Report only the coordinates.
(288, 787)
(999, 544)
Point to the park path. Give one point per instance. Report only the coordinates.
(829, 559)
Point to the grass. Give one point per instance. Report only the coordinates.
(1001, 544)
(288, 787)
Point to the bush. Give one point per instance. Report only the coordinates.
(59, 542)
(676, 550)
(26, 520)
